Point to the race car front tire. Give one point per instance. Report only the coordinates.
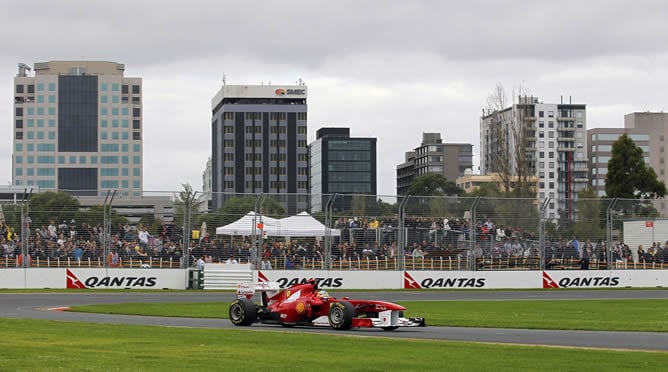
(243, 312)
(341, 314)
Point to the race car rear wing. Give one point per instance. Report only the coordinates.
(248, 289)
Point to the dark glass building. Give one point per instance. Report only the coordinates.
(341, 165)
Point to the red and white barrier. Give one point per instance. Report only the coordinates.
(338, 279)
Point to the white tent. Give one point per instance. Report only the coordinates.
(302, 224)
(244, 225)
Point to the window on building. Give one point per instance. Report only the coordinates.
(19, 124)
(31, 88)
(124, 89)
(136, 89)
(18, 111)
(228, 116)
(136, 112)
(136, 136)
(20, 88)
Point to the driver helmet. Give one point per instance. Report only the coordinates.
(323, 294)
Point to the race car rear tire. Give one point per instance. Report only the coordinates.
(243, 312)
(341, 314)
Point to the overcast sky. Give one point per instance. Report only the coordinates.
(385, 69)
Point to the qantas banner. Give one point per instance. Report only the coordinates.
(75, 278)
(470, 279)
(604, 278)
(125, 278)
(345, 279)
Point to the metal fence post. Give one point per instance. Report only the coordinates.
(328, 230)
(401, 235)
(473, 232)
(255, 254)
(187, 225)
(541, 234)
(609, 228)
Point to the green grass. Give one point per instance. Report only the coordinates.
(36, 345)
(598, 315)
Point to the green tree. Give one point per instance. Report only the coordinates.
(52, 206)
(628, 176)
(185, 197)
(590, 223)
(386, 209)
(95, 216)
(487, 189)
(433, 184)
(237, 207)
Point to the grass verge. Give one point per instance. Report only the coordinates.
(48, 345)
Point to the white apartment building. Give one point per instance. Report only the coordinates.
(555, 141)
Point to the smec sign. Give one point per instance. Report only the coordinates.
(289, 92)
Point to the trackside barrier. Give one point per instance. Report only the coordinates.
(82, 278)
(222, 276)
(226, 276)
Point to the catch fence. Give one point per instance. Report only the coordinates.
(350, 232)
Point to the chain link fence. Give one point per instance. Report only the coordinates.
(345, 232)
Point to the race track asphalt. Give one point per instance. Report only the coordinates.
(37, 305)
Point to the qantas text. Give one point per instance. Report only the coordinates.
(453, 283)
(322, 282)
(123, 281)
(599, 281)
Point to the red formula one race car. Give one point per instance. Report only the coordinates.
(304, 304)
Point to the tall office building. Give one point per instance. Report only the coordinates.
(655, 125)
(341, 164)
(451, 160)
(554, 140)
(78, 128)
(259, 144)
(600, 151)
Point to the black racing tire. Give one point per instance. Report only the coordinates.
(392, 328)
(243, 312)
(341, 314)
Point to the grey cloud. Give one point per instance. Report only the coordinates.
(306, 33)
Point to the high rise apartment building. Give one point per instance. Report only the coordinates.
(548, 140)
(451, 160)
(259, 144)
(341, 164)
(78, 128)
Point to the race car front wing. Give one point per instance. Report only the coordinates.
(385, 319)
